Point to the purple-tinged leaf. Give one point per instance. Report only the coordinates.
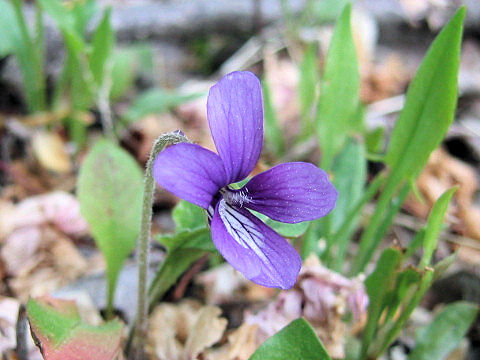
(61, 335)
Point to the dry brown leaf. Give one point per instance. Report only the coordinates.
(50, 151)
(192, 329)
(441, 173)
(40, 261)
(58, 208)
(242, 343)
(208, 329)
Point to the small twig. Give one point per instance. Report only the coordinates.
(188, 276)
(21, 349)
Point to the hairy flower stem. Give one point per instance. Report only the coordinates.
(143, 242)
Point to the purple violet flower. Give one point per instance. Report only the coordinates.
(290, 192)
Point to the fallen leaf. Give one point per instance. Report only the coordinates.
(192, 329)
(61, 335)
(50, 151)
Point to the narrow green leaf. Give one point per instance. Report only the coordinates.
(59, 12)
(415, 243)
(430, 103)
(377, 285)
(349, 175)
(184, 248)
(110, 193)
(188, 239)
(434, 225)
(102, 47)
(404, 281)
(61, 335)
(444, 334)
(82, 12)
(123, 67)
(390, 331)
(442, 266)
(156, 101)
(9, 29)
(427, 114)
(295, 341)
(339, 93)
(190, 242)
(374, 140)
(273, 133)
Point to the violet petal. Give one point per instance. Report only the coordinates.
(190, 172)
(235, 116)
(253, 248)
(291, 193)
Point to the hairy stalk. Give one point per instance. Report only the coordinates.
(138, 346)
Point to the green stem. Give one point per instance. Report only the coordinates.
(390, 331)
(28, 60)
(369, 240)
(143, 242)
(39, 58)
(340, 237)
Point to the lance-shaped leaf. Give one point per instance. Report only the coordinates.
(434, 225)
(110, 194)
(443, 335)
(61, 335)
(339, 93)
(102, 48)
(429, 105)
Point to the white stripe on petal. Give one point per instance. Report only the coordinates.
(242, 229)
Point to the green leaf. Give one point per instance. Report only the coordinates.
(295, 341)
(444, 334)
(403, 283)
(61, 335)
(59, 12)
(9, 29)
(430, 103)
(123, 67)
(199, 239)
(184, 248)
(110, 193)
(442, 266)
(188, 216)
(156, 101)
(273, 133)
(339, 94)
(327, 10)
(82, 12)
(434, 225)
(377, 286)
(190, 242)
(349, 171)
(102, 48)
(374, 140)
